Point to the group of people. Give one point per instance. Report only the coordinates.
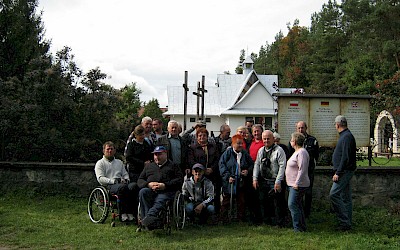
(250, 176)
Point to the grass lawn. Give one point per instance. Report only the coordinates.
(381, 161)
(63, 223)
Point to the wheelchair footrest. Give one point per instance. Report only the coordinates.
(152, 223)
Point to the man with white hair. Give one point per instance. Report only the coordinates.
(268, 178)
(344, 165)
(174, 144)
(149, 136)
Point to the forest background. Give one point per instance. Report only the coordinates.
(53, 111)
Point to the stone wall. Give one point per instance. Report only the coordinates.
(373, 186)
(73, 179)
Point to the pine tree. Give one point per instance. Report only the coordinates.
(21, 37)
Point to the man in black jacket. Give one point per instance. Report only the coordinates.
(159, 182)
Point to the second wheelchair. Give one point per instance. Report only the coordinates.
(173, 215)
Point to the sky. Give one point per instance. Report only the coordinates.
(153, 42)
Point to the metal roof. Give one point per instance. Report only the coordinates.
(221, 98)
(253, 111)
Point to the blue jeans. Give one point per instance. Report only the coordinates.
(340, 196)
(207, 211)
(295, 204)
(151, 202)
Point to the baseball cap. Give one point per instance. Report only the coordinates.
(159, 149)
(198, 165)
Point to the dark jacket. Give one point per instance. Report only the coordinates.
(136, 155)
(228, 168)
(312, 147)
(165, 141)
(344, 156)
(169, 174)
(196, 154)
(222, 145)
(286, 149)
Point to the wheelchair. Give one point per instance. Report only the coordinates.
(173, 215)
(100, 203)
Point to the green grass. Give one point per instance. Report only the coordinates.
(380, 161)
(63, 223)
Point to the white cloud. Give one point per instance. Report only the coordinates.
(152, 43)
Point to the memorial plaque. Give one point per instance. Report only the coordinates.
(356, 112)
(319, 112)
(291, 111)
(322, 120)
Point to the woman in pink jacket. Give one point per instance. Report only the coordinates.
(297, 181)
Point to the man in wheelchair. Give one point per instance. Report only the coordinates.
(199, 193)
(111, 173)
(159, 182)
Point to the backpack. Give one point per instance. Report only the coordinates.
(266, 170)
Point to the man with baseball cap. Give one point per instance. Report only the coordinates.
(199, 191)
(159, 182)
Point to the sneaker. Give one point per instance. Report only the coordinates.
(131, 217)
(124, 217)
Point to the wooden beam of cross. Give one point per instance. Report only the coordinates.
(200, 94)
(203, 91)
(198, 100)
(186, 89)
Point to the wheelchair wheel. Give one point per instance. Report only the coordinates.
(179, 213)
(139, 219)
(98, 205)
(168, 218)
